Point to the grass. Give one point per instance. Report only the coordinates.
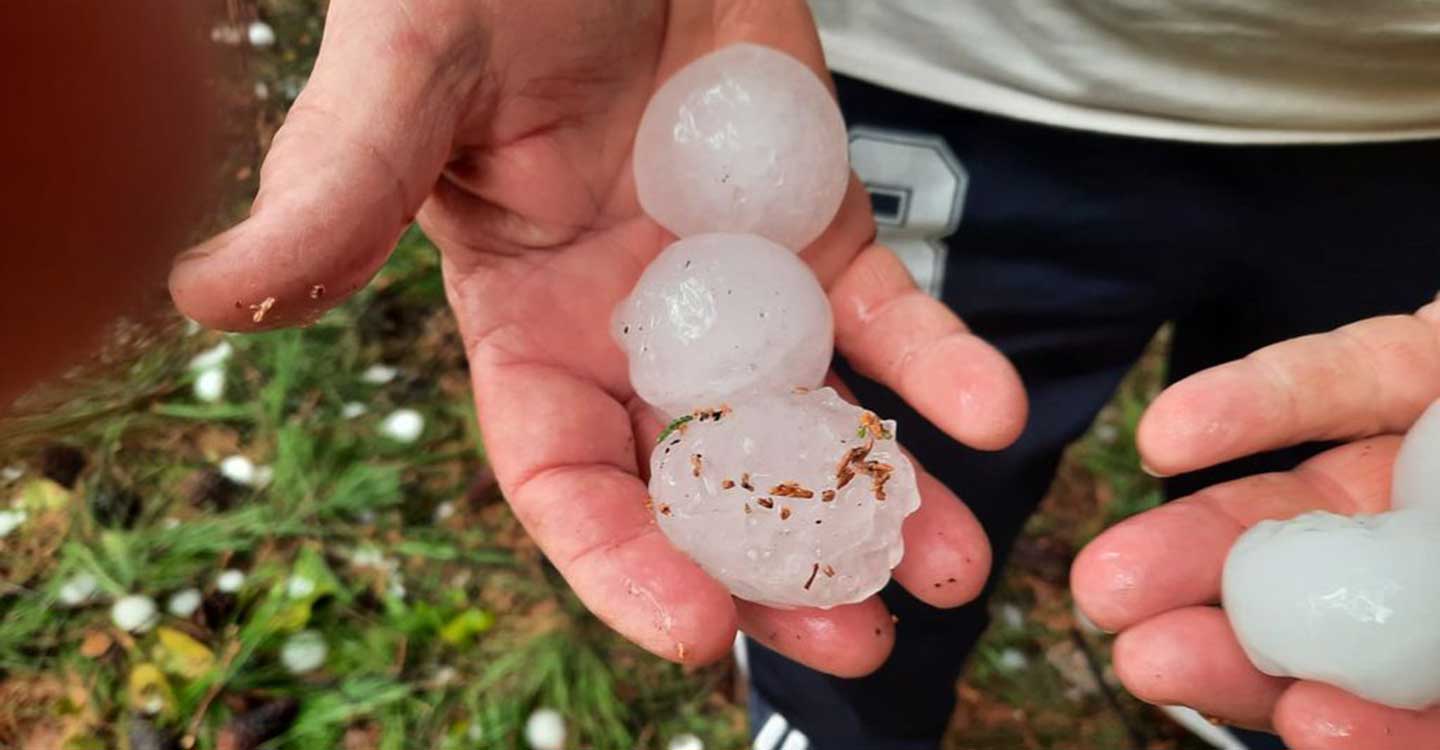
(444, 627)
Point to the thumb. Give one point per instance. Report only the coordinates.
(358, 154)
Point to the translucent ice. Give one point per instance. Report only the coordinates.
(745, 139)
(719, 317)
(1349, 601)
(790, 500)
(1417, 468)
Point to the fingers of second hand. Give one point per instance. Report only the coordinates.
(1312, 388)
(1320, 717)
(1190, 657)
(911, 342)
(847, 641)
(1173, 556)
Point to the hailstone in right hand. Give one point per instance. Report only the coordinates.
(719, 317)
(1351, 601)
(744, 139)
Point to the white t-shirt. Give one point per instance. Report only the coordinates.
(1237, 71)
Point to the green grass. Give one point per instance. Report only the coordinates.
(449, 635)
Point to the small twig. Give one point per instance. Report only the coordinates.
(1137, 737)
(231, 650)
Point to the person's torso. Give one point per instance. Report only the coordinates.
(1209, 70)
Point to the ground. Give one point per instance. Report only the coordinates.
(442, 625)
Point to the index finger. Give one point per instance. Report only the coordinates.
(1370, 378)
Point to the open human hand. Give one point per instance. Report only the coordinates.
(507, 128)
(1156, 578)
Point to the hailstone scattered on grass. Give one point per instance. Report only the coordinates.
(184, 603)
(718, 317)
(77, 590)
(229, 581)
(135, 613)
(791, 500)
(1350, 601)
(403, 426)
(545, 730)
(304, 652)
(744, 139)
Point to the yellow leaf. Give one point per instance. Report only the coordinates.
(149, 692)
(40, 495)
(180, 654)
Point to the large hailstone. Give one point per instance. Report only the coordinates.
(720, 317)
(1350, 601)
(745, 139)
(1417, 467)
(790, 500)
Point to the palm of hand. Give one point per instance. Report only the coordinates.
(509, 132)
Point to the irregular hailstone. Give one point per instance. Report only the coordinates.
(719, 317)
(790, 500)
(744, 139)
(1362, 590)
(1417, 467)
(1349, 601)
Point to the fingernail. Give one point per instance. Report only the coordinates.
(1145, 467)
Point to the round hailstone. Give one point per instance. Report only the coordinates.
(744, 139)
(1348, 601)
(78, 590)
(685, 742)
(1417, 467)
(215, 356)
(353, 409)
(229, 581)
(379, 374)
(260, 34)
(135, 613)
(403, 425)
(184, 603)
(789, 500)
(545, 730)
(11, 520)
(304, 652)
(238, 469)
(210, 386)
(718, 317)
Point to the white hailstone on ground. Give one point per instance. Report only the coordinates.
(353, 409)
(718, 317)
(299, 587)
(744, 139)
(379, 374)
(230, 581)
(213, 357)
(685, 742)
(135, 613)
(545, 730)
(260, 34)
(790, 500)
(238, 469)
(304, 651)
(1012, 617)
(403, 425)
(11, 473)
(444, 511)
(1348, 601)
(1012, 660)
(79, 589)
(1360, 586)
(1417, 468)
(183, 603)
(11, 520)
(210, 386)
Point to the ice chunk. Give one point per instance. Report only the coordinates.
(721, 317)
(1349, 601)
(790, 500)
(745, 139)
(1417, 468)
